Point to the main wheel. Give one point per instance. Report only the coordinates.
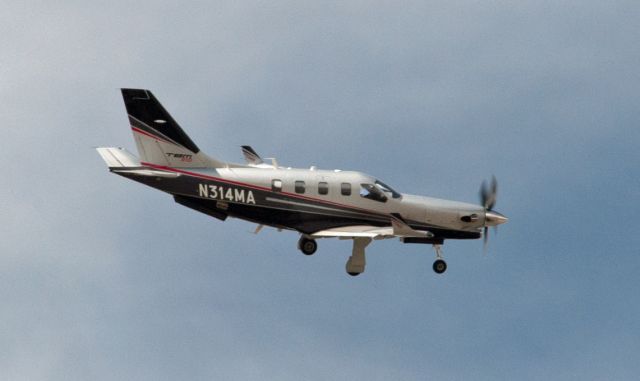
(439, 266)
(353, 274)
(307, 246)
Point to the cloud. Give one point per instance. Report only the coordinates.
(102, 277)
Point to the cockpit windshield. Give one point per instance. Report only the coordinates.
(385, 188)
(372, 192)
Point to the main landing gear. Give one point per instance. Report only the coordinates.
(307, 246)
(356, 262)
(439, 266)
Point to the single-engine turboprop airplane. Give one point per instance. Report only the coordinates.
(315, 203)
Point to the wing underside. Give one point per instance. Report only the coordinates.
(355, 231)
(397, 229)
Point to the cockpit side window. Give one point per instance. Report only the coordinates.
(372, 192)
(385, 188)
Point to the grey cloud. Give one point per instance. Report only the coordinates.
(102, 278)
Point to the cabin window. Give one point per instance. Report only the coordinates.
(323, 188)
(299, 186)
(372, 192)
(345, 189)
(276, 185)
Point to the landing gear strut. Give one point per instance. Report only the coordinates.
(439, 266)
(307, 246)
(356, 263)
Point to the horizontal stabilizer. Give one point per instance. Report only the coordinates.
(145, 172)
(117, 157)
(124, 163)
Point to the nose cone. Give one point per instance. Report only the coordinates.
(494, 218)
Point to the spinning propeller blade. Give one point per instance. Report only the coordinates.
(488, 193)
(485, 237)
(488, 197)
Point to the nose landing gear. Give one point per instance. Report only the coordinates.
(439, 266)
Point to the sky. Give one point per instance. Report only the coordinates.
(102, 278)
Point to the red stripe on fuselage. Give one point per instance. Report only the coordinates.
(200, 175)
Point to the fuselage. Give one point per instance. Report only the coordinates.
(310, 200)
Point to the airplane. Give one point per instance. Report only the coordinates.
(316, 203)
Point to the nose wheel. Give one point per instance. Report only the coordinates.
(439, 266)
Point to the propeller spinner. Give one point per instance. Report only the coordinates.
(488, 194)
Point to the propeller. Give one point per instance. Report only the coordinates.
(488, 195)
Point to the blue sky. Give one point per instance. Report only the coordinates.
(102, 278)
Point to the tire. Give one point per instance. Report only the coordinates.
(439, 266)
(307, 246)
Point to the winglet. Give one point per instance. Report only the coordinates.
(251, 156)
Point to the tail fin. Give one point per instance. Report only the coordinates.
(159, 138)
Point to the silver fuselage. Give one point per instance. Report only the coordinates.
(249, 193)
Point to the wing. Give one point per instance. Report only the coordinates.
(398, 228)
(356, 231)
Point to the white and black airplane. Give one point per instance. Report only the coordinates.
(315, 203)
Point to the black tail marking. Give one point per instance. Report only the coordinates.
(146, 113)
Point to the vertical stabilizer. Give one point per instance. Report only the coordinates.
(159, 138)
